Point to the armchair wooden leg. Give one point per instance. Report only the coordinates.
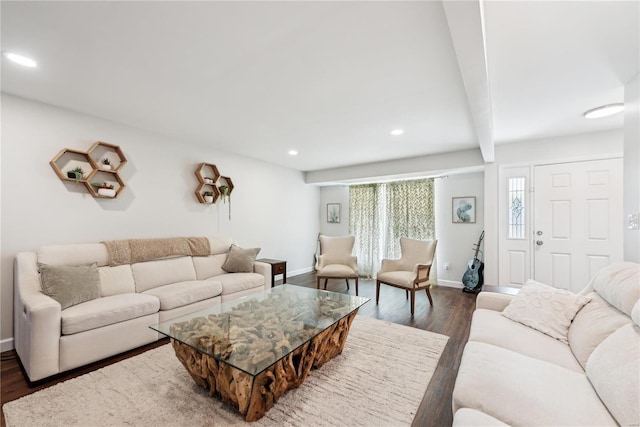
(356, 286)
(347, 280)
(318, 283)
(429, 295)
(406, 291)
(413, 301)
(377, 291)
(325, 284)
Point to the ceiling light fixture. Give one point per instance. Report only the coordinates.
(293, 152)
(397, 132)
(604, 111)
(19, 59)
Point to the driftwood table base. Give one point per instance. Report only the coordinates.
(254, 396)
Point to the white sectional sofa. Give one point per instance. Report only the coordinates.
(50, 339)
(511, 374)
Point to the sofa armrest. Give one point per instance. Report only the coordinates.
(37, 320)
(493, 301)
(264, 269)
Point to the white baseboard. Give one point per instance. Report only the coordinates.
(450, 284)
(6, 345)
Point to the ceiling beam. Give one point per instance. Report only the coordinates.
(466, 26)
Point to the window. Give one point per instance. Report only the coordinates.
(517, 209)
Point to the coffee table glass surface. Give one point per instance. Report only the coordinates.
(253, 332)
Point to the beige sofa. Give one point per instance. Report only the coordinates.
(511, 374)
(49, 339)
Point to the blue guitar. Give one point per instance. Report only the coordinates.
(473, 278)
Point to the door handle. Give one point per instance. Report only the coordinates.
(539, 242)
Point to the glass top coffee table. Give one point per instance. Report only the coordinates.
(251, 350)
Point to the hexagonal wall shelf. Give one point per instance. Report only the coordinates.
(94, 167)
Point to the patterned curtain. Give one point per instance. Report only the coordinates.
(379, 214)
(364, 224)
(409, 213)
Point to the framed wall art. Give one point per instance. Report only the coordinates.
(333, 213)
(463, 210)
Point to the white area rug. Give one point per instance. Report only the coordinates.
(378, 380)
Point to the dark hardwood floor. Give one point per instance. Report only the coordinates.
(450, 315)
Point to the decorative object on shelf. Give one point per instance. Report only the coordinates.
(75, 162)
(208, 180)
(106, 164)
(225, 192)
(104, 189)
(208, 196)
(76, 173)
(333, 213)
(463, 210)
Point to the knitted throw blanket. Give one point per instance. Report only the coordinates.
(140, 250)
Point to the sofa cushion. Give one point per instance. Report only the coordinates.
(107, 311)
(235, 282)
(614, 371)
(74, 254)
(465, 417)
(545, 308)
(240, 260)
(70, 284)
(151, 274)
(491, 327)
(595, 322)
(184, 293)
(116, 280)
(520, 390)
(220, 245)
(207, 267)
(619, 285)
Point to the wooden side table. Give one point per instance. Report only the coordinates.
(277, 267)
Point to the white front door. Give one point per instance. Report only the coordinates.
(577, 221)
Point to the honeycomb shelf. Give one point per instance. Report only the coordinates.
(93, 167)
(210, 180)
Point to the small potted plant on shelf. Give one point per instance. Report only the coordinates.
(106, 164)
(76, 174)
(225, 192)
(104, 189)
(208, 196)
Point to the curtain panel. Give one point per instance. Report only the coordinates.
(379, 214)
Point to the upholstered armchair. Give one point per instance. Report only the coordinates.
(336, 261)
(411, 271)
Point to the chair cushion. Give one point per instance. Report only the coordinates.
(491, 327)
(337, 270)
(236, 282)
(398, 278)
(184, 293)
(107, 311)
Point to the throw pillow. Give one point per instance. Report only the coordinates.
(545, 308)
(70, 284)
(240, 260)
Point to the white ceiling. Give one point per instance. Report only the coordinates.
(329, 79)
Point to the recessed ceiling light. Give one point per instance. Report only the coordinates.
(293, 152)
(604, 111)
(19, 59)
(397, 132)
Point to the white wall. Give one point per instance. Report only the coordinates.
(537, 152)
(455, 241)
(272, 207)
(631, 167)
